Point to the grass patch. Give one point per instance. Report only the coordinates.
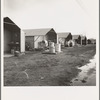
(45, 69)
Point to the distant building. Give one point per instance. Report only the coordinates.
(91, 41)
(84, 40)
(76, 39)
(34, 37)
(64, 37)
(14, 37)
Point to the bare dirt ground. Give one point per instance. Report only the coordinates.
(37, 69)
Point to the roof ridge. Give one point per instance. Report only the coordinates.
(63, 32)
(37, 29)
(41, 31)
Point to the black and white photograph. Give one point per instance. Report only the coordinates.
(50, 49)
(49, 42)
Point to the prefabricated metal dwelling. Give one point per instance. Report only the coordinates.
(64, 37)
(14, 37)
(33, 37)
(91, 41)
(84, 40)
(77, 39)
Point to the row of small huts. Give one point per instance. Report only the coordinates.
(17, 39)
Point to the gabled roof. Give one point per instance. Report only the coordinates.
(63, 34)
(8, 21)
(76, 36)
(91, 39)
(83, 37)
(9, 24)
(34, 32)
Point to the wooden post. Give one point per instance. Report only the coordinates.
(22, 41)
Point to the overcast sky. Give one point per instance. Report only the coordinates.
(75, 16)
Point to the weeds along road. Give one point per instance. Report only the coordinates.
(37, 69)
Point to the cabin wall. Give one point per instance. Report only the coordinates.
(68, 38)
(61, 41)
(16, 38)
(11, 38)
(22, 41)
(38, 39)
(29, 41)
(89, 41)
(33, 41)
(84, 42)
(7, 40)
(77, 41)
(51, 36)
